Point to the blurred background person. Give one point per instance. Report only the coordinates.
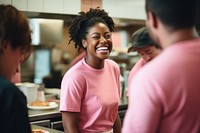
(15, 40)
(146, 48)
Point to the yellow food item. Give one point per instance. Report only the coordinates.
(38, 131)
(39, 103)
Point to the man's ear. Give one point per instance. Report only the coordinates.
(153, 22)
(3, 46)
(84, 43)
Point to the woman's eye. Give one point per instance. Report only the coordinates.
(107, 36)
(96, 37)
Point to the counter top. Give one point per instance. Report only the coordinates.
(35, 115)
(46, 129)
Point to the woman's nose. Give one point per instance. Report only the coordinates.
(102, 39)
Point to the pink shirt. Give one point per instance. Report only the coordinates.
(92, 92)
(166, 100)
(140, 63)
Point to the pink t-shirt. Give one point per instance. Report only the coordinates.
(92, 92)
(140, 63)
(165, 94)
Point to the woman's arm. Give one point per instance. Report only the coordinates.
(117, 125)
(70, 122)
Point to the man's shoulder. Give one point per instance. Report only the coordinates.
(153, 69)
(140, 63)
(4, 83)
(9, 93)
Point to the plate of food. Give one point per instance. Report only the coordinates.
(39, 131)
(42, 105)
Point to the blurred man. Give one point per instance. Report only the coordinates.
(146, 48)
(165, 93)
(15, 40)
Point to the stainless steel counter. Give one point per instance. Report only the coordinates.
(35, 115)
(52, 118)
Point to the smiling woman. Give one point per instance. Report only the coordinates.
(90, 90)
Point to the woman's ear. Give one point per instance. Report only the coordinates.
(84, 43)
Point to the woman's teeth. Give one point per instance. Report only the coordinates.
(102, 48)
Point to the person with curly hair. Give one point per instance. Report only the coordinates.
(90, 90)
(15, 40)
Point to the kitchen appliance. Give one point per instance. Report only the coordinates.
(30, 90)
(46, 31)
(45, 34)
(42, 64)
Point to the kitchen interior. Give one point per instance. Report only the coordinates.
(51, 54)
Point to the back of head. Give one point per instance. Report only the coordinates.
(176, 14)
(14, 28)
(198, 19)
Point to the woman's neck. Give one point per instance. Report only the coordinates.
(97, 64)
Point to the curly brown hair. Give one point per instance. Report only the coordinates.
(80, 25)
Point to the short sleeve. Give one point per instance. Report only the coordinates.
(72, 92)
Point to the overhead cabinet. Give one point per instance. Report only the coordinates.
(128, 9)
(20, 4)
(46, 6)
(72, 6)
(35, 5)
(53, 6)
(5, 2)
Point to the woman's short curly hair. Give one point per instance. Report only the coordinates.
(80, 25)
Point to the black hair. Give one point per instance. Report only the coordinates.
(14, 29)
(176, 14)
(80, 25)
(198, 19)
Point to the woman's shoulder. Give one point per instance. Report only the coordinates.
(75, 72)
(77, 67)
(111, 62)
